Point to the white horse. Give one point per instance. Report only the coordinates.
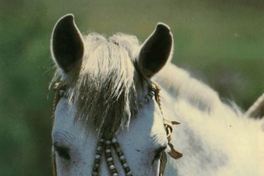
(106, 96)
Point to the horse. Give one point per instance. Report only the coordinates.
(117, 107)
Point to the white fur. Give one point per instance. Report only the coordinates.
(218, 142)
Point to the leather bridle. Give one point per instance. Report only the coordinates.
(107, 145)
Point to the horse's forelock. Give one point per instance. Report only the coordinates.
(105, 88)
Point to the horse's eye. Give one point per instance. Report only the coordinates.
(62, 151)
(158, 153)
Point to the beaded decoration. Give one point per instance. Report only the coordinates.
(107, 147)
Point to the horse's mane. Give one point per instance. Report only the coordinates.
(105, 88)
(183, 85)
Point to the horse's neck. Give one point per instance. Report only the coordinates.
(199, 156)
(215, 143)
(189, 96)
(211, 134)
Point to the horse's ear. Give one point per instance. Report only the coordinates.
(66, 43)
(156, 50)
(257, 109)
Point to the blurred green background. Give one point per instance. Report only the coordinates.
(220, 41)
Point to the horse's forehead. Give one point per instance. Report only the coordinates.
(148, 125)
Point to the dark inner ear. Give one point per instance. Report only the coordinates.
(156, 50)
(67, 44)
